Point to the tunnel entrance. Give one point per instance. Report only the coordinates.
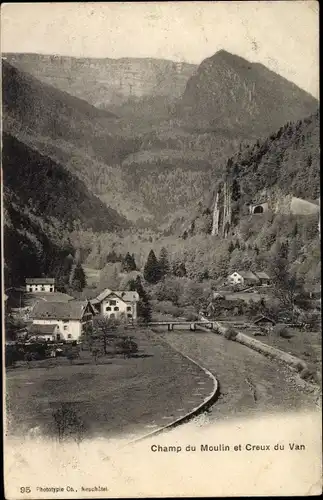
(258, 210)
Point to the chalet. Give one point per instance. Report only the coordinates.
(264, 321)
(40, 285)
(243, 278)
(116, 304)
(263, 278)
(70, 318)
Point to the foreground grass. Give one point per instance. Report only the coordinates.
(114, 396)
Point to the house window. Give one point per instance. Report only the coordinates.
(108, 308)
(116, 308)
(112, 315)
(69, 336)
(51, 289)
(129, 315)
(129, 308)
(42, 288)
(30, 288)
(113, 302)
(58, 336)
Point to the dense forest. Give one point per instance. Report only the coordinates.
(288, 160)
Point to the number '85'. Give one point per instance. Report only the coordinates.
(25, 489)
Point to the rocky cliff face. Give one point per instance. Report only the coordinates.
(228, 92)
(107, 81)
(222, 211)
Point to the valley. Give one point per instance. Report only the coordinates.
(192, 189)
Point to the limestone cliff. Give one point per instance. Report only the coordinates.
(222, 211)
(103, 82)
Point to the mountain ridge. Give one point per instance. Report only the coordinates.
(237, 93)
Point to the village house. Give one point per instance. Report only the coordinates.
(263, 278)
(249, 278)
(69, 318)
(116, 304)
(243, 278)
(40, 285)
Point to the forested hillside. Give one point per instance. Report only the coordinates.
(43, 202)
(288, 160)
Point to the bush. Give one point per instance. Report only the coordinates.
(282, 331)
(299, 367)
(230, 333)
(166, 307)
(308, 374)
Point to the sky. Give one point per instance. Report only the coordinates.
(283, 35)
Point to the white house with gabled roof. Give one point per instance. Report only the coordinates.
(40, 285)
(117, 304)
(67, 320)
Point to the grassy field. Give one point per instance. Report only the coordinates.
(116, 396)
(303, 344)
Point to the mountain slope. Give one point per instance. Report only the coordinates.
(36, 109)
(153, 166)
(288, 161)
(42, 204)
(230, 92)
(282, 167)
(51, 191)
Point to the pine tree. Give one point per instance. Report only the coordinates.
(164, 262)
(128, 263)
(78, 281)
(143, 306)
(152, 271)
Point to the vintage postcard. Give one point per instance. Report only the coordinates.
(161, 270)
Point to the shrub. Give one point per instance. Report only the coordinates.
(230, 333)
(308, 374)
(282, 331)
(166, 307)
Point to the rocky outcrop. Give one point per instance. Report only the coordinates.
(222, 211)
(107, 81)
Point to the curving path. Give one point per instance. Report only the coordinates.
(248, 380)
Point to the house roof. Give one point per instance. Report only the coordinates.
(248, 275)
(49, 296)
(264, 318)
(262, 275)
(73, 309)
(40, 281)
(126, 296)
(42, 329)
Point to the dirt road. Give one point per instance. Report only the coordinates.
(248, 381)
